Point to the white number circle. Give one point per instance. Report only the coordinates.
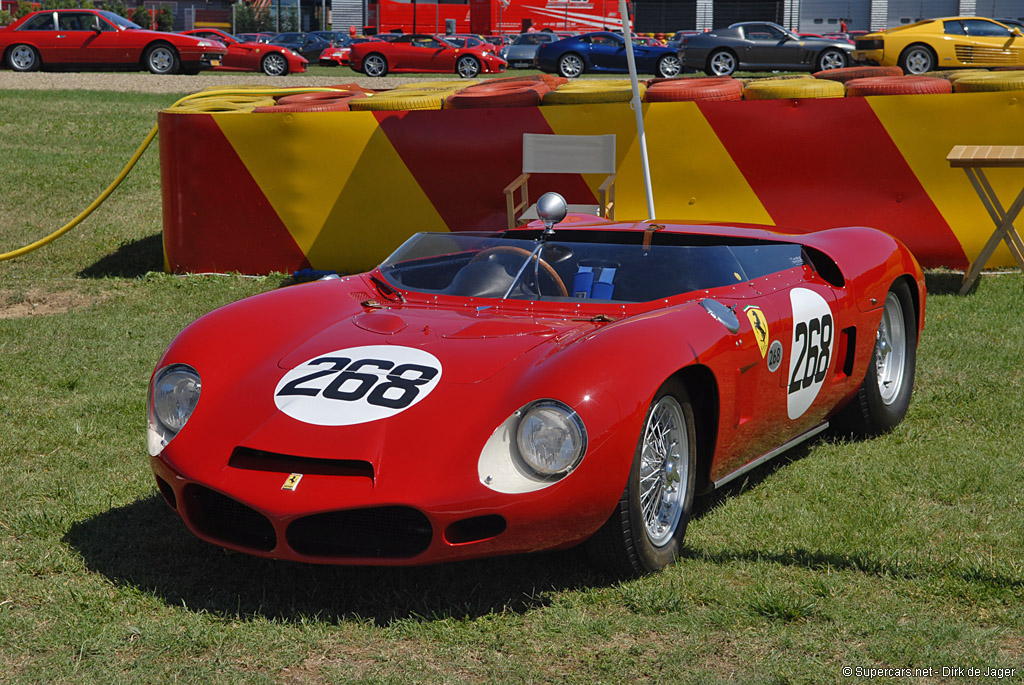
(810, 355)
(357, 384)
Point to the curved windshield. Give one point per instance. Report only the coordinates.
(568, 269)
(118, 21)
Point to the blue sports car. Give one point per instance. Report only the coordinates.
(604, 52)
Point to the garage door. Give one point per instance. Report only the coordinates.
(908, 11)
(824, 16)
(667, 16)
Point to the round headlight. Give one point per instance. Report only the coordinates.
(175, 395)
(551, 438)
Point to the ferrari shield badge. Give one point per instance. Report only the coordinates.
(760, 327)
(292, 481)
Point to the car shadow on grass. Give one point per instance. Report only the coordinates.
(145, 546)
(133, 259)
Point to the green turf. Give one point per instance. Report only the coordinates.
(901, 551)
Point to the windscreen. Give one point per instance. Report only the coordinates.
(476, 265)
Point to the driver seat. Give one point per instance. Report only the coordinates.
(557, 154)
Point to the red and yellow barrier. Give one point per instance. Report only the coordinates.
(259, 192)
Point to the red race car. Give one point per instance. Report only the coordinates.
(338, 55)
(482, 394)
(97, 39)
(272, 60)
(422, 53)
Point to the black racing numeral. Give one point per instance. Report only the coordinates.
(813, 342)
(397, 390)
(294, 388)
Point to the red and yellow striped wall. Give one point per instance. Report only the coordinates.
(260, 192)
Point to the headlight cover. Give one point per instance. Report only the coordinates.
(173, 397)
(551, 438)
(539, 445)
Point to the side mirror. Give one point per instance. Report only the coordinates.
(1017, 32)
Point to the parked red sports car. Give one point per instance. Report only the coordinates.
(272, 60)
(422, 53)
(339, 54)
(486, 394)
(97, 39)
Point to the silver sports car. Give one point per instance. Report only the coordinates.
(760, 46)
(522, 53)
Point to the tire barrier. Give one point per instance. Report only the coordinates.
(683, 90)
(953, 74)
(995, 81)
(785, 89)
(897, 85)
(523, 94)
(591, 92)
(845, 74)
(328, 103)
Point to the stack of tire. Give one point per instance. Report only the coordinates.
(515, 91)
(335, 100)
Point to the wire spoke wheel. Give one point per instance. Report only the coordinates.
(664, 463)
(891, 350)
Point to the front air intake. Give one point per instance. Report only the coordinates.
(378, 533)
(225, 520)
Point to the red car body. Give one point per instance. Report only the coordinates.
(272, 60)
(423, 53)
(96, 39)
(339, 55)
(372, 422)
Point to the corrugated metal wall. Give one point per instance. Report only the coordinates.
(345, 13)
(654, 16)
(908, 11)
(825, 16)
(731, 11)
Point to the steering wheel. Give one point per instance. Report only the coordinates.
(526, 254)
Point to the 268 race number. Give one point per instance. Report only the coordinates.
(813, 347)
(357, 385)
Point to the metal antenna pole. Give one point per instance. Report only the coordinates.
(637, 106)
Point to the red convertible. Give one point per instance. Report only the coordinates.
(421, 53)
(77, 39)
(272, 60)
(481, 394)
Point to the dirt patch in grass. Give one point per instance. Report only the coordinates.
(17, 304)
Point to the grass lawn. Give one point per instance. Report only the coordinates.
(902, 551)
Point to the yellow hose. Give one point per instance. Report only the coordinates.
(216, 99)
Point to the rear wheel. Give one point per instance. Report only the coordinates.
(669, 66)
(24, 58)
(917, 59)
(274, 64)
(375, 65)
(161, 59)
(884, 396)
(831, 59)
(646, 530)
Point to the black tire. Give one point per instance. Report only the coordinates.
(627, 545)
(832, 59)
(467, 67)
(274, 64)
(918, 59)
(669, 66)
(721, 63)
(571, 65)
(375, 64)
(884, 396)
(161, 58)
(23, 57)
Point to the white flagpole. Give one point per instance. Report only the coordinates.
(637, 106)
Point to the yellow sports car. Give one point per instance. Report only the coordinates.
(943, 43)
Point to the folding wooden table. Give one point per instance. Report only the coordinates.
(973, 159)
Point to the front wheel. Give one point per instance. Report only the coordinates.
(669, 66)
(831, 59)
(645, 532)
(467, 67)
(884, 396)
(570, 65)
(274, 64)
(24, 58)
(161, 59)
(917, 59)
(722, 63)
(375, 65)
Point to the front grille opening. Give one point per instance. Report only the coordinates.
(475, 529)
(258, 460)
(378, 533)
(168, 492)
(222, 518)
